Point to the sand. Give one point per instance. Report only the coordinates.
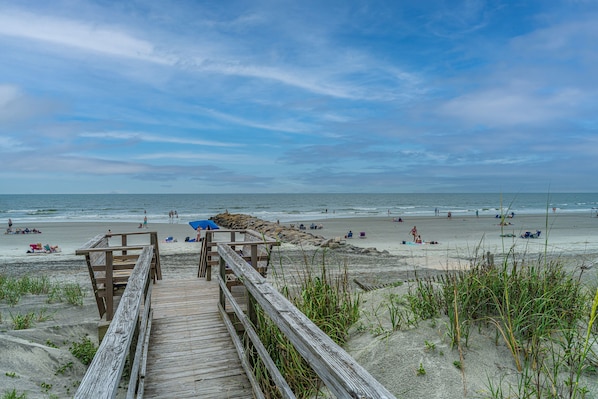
(392, 357)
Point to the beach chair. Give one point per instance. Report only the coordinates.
(362, 234)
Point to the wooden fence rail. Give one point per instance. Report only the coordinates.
(128, 334)
(111, 266)
(255, 247)
(343, 376)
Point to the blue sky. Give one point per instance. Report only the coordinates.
(298, 96)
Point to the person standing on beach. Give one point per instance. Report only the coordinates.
(414, 233)
(145, 222)
(9, 223)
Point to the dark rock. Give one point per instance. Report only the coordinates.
(291, 235)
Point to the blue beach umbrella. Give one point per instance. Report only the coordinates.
(203, 224)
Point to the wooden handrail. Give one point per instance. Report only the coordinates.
(83, 251)
(208, 256)
(105, 371)
(338, 370)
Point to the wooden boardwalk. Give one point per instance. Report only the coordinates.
(191, 354)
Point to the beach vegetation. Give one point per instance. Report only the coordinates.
(421, 370)
(322, 293)
(14, 395)
(22, 321)
(12, 289)
(64, 368)
(51, 344)
(430, 346)
(542, 313)
(84, 350)
(11, 374)
(46, 387)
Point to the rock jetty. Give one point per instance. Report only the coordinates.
(290, 235)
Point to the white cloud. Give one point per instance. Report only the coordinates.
(85, 36)
(513, 106)
(146, 137)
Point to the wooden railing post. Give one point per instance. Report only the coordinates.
(123, 242)
(157, 268)
(223, 278)
(109, 285)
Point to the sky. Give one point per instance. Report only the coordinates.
(310, 96)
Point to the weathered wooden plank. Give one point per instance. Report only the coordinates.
(191, 353)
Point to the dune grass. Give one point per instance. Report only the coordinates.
(13, 289)
(322, 293)
(542, 312)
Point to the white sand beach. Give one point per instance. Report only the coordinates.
(392, 358)
(459, 238)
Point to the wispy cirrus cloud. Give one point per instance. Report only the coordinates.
(152, 138)
(85, 36)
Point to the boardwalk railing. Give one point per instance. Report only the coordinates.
(254, 248)
(110, 267)
(128, 334)
(343, 376)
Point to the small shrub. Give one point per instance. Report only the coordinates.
(84, 350)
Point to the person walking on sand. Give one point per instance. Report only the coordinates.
(145, 222)
(414, 233)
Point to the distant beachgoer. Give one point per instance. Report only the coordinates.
(198, 238)
(418, 239)
(414, 233)
(477, 213)
(9, 223)
(140, 225)
(450, 215)
(145, 222)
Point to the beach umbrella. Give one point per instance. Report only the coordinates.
(204, 224)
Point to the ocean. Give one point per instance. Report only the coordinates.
(31, 209)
